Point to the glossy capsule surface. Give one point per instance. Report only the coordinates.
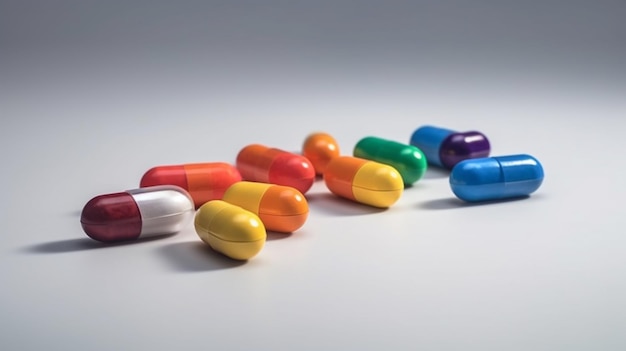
(368, 182)
(280, 208)
(320, 148)
(494, 178)
(260, 163)
(204, 181)
(445, 148)
(408, 160)
(230, 229)
(137, 213)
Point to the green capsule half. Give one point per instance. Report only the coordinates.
(408, 160)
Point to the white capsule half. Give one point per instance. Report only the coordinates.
(164, 209)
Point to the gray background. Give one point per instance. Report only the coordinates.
(94, 93)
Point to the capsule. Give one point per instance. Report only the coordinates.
(203, 181)
(408, 160)
(230, 229)
(445, 148)
(281, 208)
(260, 163)
(320, 148)
(494, 178)
(368, 182)
(136, 213)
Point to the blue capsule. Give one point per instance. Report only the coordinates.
(445, 148)
(494, 178)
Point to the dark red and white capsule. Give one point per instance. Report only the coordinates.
(131, 214)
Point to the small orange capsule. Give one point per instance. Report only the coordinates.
(320, 148)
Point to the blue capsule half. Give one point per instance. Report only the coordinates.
(494, 178)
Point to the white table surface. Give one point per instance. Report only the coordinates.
(83, 116)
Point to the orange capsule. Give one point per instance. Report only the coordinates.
(320, 148)
(203, 181)
(364, 181)
(260, 163)
(281, 208)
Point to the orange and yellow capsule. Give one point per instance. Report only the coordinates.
(368, 182)
(281, 208)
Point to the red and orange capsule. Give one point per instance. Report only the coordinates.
(364, 181)
(260, 163)
(320, 148)
(203, 181)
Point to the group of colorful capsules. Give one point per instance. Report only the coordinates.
(234, 206)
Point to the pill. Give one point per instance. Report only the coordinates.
(445, 148)
(494, 178)
(204, 181)
(281, 208)
(137, 213)
(230, 229)
(368, 182)
(408, 160)
(260, 163)
(320, 148)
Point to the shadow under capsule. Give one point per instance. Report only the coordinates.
(272, 235)
(417, 185)
(196, 256)
(435, 172)
(337, 206)
(82, 244)
(453, 202)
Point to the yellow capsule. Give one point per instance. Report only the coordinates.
(229, 229)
